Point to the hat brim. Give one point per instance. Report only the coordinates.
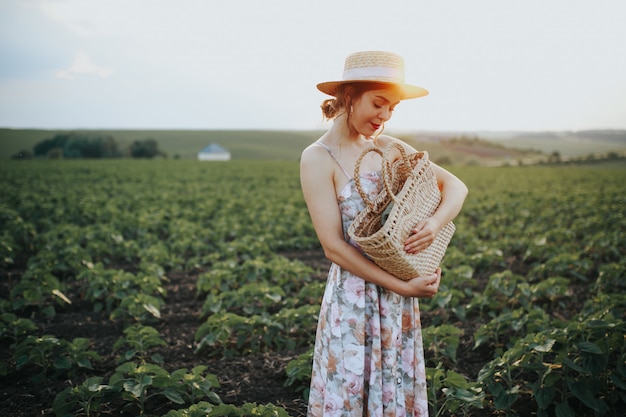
(408, 91)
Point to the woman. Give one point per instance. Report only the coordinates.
(368, 358)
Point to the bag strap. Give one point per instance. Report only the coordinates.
(405, 171)
(357, 176)
(335, 158)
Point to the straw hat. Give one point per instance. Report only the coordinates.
(376, 66)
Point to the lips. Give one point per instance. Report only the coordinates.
(375, 126)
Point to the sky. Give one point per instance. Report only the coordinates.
(490, 65)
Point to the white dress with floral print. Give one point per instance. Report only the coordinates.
(368, 358)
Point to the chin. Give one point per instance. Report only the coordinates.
(369, 133)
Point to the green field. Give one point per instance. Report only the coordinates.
(121, 277)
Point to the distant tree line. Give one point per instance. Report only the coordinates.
(90, 145)
(556, 159)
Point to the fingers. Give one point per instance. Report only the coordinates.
(421, 237)
(419, 241)
(426, 286)
(434, 281)
(418, 245)
(433, 285)
(419, 227)
(437, 280)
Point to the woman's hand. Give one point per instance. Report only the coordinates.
(423, 235)
(424, 286)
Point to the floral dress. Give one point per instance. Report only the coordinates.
(369, 357)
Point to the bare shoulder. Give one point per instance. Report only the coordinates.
(311, 150)
(313, 154)
(315, 159)
(386, 140)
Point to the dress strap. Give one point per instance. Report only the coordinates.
(335, 158)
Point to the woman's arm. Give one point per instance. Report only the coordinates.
(316, 177)
(453, 193)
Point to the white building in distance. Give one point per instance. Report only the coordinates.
(214, 152)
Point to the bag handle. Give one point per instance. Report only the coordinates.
(357, 176)
(387, 167)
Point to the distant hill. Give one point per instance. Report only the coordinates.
(567, 143)
(185, 144)
(460, 148)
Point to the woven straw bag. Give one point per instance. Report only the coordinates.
(410, 194)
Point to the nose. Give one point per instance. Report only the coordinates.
(385, 114)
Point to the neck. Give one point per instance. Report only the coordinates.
(341, 132)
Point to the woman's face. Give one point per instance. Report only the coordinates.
(372, 110)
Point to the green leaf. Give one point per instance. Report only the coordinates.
(505, 398)
(84, 363)
(274, 297)
(544, 396)
(454, 379)
(134, 388)
(594, 364)
(589, 347)
(465, 396)
(157, 358)
(128, 367)
(564, 410)
(619, 382)
(213, 398)
(49, 311)
(199, 369)
(583, 391)
(21, 361)
(173, 396)
(93, 384)
(546, 347)
(62, 362)
(571, 364)
(154, 369)
(178, 374)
